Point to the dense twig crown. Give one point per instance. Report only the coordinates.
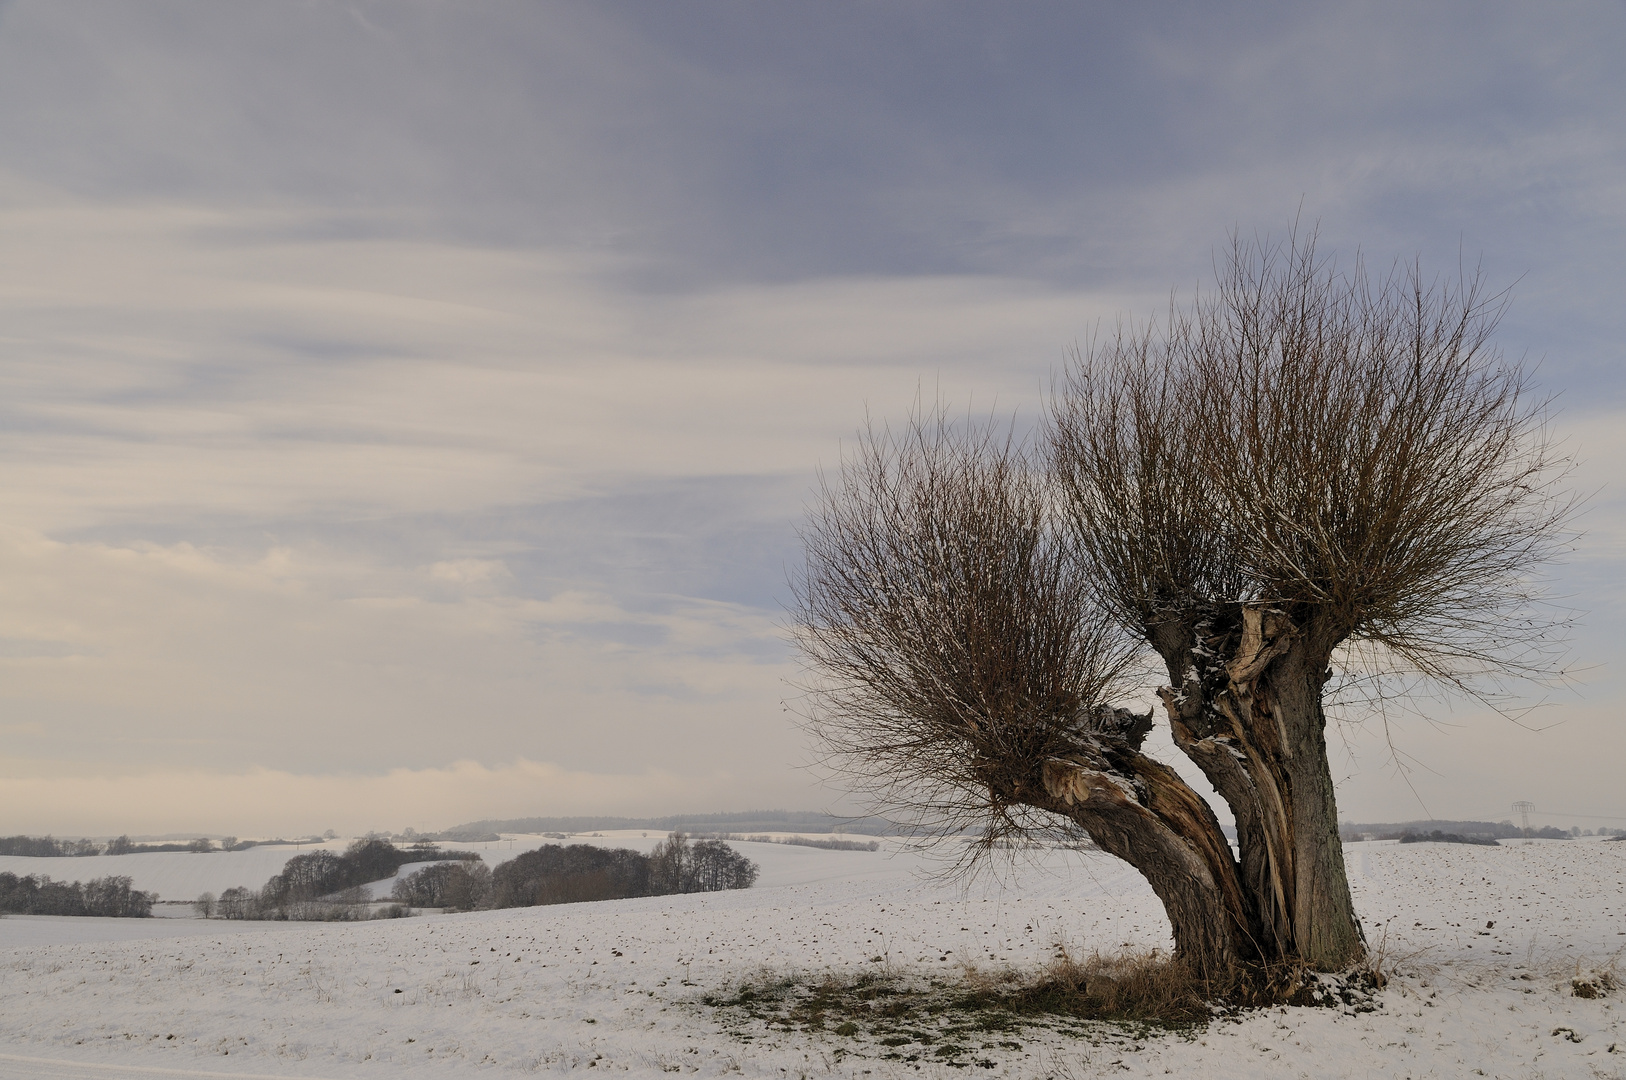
(953, 640)
(1349, 448)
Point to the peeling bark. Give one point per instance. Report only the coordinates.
(1142, 811)
(1245, 706)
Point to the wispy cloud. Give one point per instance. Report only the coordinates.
(367, 504)
(385, 385)
(172, 654)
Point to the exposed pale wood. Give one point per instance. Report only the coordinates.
(1248, 713)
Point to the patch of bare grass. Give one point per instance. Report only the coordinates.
(983, 1013)
(980, 1015)
(1127, 988)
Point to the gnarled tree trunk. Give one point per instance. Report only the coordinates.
(1142, 811)
(1245, 706)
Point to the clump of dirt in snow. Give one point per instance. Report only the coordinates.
(1591, 983)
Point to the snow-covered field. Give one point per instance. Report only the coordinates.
(183, 875)
(617, 985)
(173, 875)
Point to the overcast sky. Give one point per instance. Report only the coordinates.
(406, 409)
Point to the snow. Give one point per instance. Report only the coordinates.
(177, 876)
(617, 985)
(173, 875)
(181, 876)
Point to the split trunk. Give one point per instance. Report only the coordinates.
(1245, 706)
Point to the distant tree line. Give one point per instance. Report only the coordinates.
(123, 845)
(1438, 837)
(556, 874)
(460, 835)
(457, 886)
(106, 896)
(1495, 830)
(832, 844)
(47, 847)
(323, 885)
(326, 886)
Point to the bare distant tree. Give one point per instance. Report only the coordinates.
(668, 864)
(238, 902)
(713, 866)
(461, 885)
(1303, 477)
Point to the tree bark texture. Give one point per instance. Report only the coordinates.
(1140, 810)
(1245, 706)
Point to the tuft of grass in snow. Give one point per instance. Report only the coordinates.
(1145, 988)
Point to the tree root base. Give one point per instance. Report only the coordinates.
(1353, 991)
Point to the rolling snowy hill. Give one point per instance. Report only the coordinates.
(1481, 945)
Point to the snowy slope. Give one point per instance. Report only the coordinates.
(616, 985)
(183, 875)
(173, 875)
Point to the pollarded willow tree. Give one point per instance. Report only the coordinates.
(1303, 479)
(966, 669)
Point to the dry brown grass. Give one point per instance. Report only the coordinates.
(1101, 996)
(1135, 992)
(1138, 987)
(983, 1015)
